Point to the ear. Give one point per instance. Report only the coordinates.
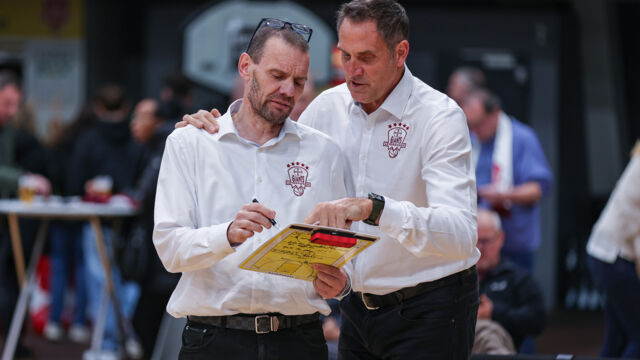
(501, 239)
(244, 65)
(401, 52)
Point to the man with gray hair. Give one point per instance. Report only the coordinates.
(511, 305)
(463, 80)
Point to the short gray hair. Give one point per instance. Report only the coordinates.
(390, 17)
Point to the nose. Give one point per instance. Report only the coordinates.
(353, 69)
(287, 88)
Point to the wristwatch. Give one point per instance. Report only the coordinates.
(378, 205)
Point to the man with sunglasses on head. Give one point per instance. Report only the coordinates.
(415, 292)
(206, 223)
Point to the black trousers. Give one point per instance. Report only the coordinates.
(437, 324)
(201, 341)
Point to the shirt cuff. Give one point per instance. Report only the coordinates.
(392, 214)
(218, 241)
(346, 290)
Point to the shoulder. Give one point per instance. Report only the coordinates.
(435, 113)
(187, 136)
(315, 137)
(523, 132)
(431, 102)
(336, 95)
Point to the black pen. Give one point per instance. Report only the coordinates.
(272, 221)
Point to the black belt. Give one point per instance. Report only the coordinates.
(260, 323)
(374, 302)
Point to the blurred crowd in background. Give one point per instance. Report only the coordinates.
(114, 145)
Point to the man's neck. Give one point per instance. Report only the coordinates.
(253, 127)
(371, 107)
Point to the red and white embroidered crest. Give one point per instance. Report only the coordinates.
(395, 138)
(298, 173)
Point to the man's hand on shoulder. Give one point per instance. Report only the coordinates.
(202, 120)
(249, 220)
(340, 213)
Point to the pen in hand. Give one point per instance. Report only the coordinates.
(272, 221)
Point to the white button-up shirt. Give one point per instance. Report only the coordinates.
(415, 151)
(617, 231)
(204, 181)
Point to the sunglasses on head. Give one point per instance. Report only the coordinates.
(303, 30)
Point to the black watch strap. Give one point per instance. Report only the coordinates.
(378, 206)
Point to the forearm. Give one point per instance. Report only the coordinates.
(441, 231)
(182, 249)
(526, 194)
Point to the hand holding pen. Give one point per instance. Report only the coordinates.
(252, 218)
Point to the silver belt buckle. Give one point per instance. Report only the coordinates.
(273, 324)
(364, 301)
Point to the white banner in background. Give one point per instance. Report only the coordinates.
(54, 80)
(215, 38)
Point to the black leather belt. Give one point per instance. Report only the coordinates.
(260, 323)
(374, 302)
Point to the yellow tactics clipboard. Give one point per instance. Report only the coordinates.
(292, 251)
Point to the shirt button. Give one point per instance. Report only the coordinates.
(259, 179)
(363, 158)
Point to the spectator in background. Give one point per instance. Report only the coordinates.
(139, 260)
(614, 262)
(65, 238)
(512, 173)
(511, 305)
(463, 80)
(176, 96)
(107, 150)
(21, 157)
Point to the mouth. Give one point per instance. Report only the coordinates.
(356, 84)
(281, 104)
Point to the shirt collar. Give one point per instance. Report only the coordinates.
(228, 127)
(397, 100)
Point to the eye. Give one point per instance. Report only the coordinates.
(345, 56)
(366, 58)
(277, 76)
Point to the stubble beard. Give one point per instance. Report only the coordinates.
(263, 109)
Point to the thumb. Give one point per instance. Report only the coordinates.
(215, 113)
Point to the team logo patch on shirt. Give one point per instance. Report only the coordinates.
(395, 138)
(298, 173)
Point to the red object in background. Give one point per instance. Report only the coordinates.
(39, 304)
(333, 238)
(337, 76)
(97, 198)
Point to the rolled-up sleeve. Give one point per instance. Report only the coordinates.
(181, 244)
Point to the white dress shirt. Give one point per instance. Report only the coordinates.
(205, 180)
(415, 151)
(617, 231)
